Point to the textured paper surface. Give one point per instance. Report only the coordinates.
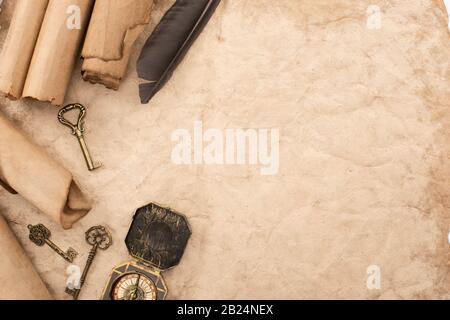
(19, 279)
(18, 48)
(57, 51)
(114, 28)
(364, 172)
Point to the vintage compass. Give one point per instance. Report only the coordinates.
(156, 240)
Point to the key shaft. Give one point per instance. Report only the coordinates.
(87, 156)
(76, 292)
(69, 255)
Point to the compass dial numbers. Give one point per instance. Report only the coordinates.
(134, 286)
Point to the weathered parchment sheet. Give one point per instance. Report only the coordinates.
(28, 170)
(364, 177)
(107, 50)
(19, 279)
(19, 46)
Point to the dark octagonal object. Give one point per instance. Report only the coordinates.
(158, 236)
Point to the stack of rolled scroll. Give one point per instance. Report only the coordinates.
(45, 39)
(42, 47)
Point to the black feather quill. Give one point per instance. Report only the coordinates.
(170, 41)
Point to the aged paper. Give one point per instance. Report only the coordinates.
(359, 91)
(19, 279)
(114, 28)
(18, 48)
(57, 49)
(28, 170)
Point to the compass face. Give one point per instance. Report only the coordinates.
(134, 286)
(135, 281)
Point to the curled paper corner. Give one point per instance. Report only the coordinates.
(76, 207)
(52, 99)
(9, 93)
(109, 81)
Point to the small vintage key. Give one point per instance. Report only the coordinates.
(99, 238)
(78, 131)
(40, 235)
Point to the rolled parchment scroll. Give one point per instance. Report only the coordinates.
(19, 279)
(114, 27)
(28, 170)
(19, 46)
(57, 49)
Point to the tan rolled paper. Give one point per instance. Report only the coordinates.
(31, 172)
(57, 49)
(19, 46)
(19, 280)
(114, 28)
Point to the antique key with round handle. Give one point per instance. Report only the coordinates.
(78, 131)
(99, 238)
(40, 236)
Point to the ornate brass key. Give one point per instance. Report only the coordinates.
(99, 238)
(78, 131)
(40, 235)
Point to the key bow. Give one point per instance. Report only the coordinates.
(38, 234)
(99, 236)
(78, 128)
